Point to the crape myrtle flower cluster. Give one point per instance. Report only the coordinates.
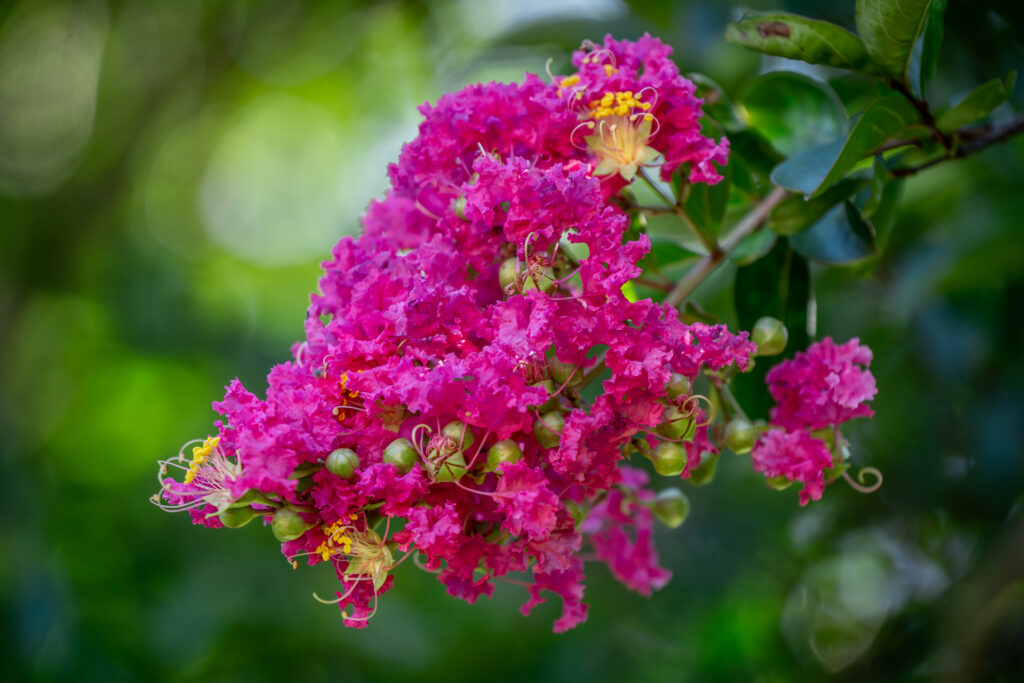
(435, 409)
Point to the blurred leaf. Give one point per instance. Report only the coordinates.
(815, 169)
(716, 103)
(892, 31)
(841, 236)
(925, 57)
(778, 285)
(792, 111)
(753, 247)
(794, 213)
(978, 103)
(749, 149)
(705, 204)
(796, 37)
(665, 252)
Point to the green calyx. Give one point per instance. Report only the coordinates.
(401, 454)
(501, 452)
(671, 507)
(770, 335)
(669, 459)
(675, 425)
(548, 429)
(235, 517)
(342, 462)
(447, 468)
(740, 435)
(288, 525)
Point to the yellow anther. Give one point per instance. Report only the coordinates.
(199, 456)
(609, 70)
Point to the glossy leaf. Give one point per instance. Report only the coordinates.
(792, 111)
(814, 170)
(892, 31)
(841, 236)
(978, 103)
(794, 213)
(795, 37)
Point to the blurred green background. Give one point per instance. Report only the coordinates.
(171, 174)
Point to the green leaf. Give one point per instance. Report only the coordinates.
(794, 213)
(978, 103)
(716, 103)
(795, 37)
(793, 112)
(892, 30)
(925, 57)
(841, 236)
(814, 170)
(753, 246)
(705, 204)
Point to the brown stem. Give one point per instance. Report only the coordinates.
(993, 135)
(707, 264)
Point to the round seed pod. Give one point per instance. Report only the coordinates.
(342, 462)
(740, 435)
(561, 372)
(679, 385)
(671, 507)
(770, 335)
(548, 429)
(669, 459)
(503, 451)
(459, 433)
(507, 272)
(288, 525)
(401, 454)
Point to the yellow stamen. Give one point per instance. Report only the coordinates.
(199, 456)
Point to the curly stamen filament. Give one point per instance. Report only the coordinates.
(590, 125)
(567, 277)
(860, 486)
(693, 409)
(355, 584)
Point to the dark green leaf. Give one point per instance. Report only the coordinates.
(842, 236)
(794, 213)
(978, 103)
(705, 204)
(716, 103)
(925, 56)
(891, 30)
(793, 112)
(778, 285)
(814, 170)
(796, 37)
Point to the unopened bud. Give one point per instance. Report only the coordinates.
(671, 507)
(770, 335)
(458, 432)
(674, 425)
(704, 473)
(503, 451)
(669, 459)
(508, 271)
(401, 454)
(236, 517)
(459, 207)
(565, 372)
(342, 462)
(740, 435)
(552, 401)
(288, 525)
(679, 385)
(548, 429)
(779, 483)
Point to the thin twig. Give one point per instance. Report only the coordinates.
(996, 134)
(707, 264)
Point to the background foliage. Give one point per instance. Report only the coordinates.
(172, 173)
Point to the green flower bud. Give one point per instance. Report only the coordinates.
(826, 434)
(460, 207)
(675, 425)
(552, 402)
(548, 429)
(459, 433)
(671, 507)
(507, 272)
(770, 335)
(740, 435)
(780, 483)
(704, 473)
(450, 468)
(288, 525)
(669, 459)
(561, 372)
(679, 385)
(401, 454)
(503, 451)
(236, 517)
(342, 462)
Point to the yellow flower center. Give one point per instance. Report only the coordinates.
(200, 454)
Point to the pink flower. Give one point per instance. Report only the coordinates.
(825, 385)
(796, 456)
